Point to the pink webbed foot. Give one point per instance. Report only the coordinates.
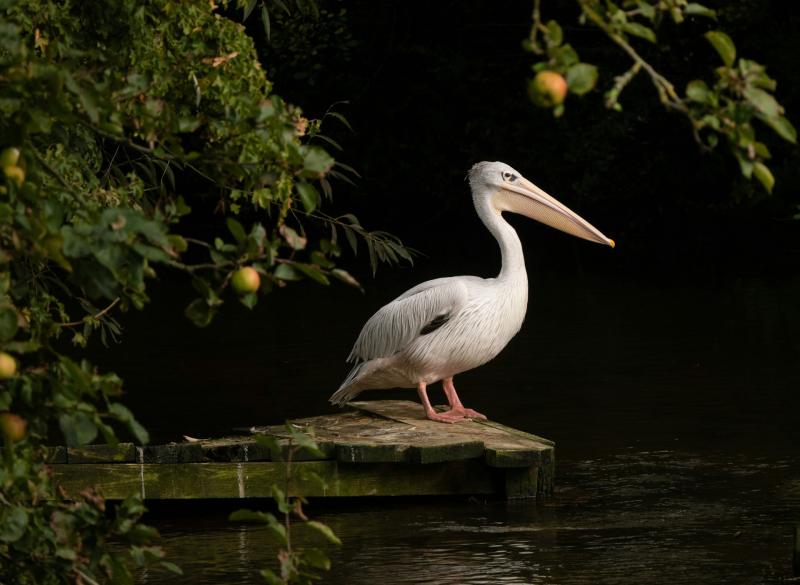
(469, 413)
(446, 417)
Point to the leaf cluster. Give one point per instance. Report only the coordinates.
(117, 120)
(719, 111)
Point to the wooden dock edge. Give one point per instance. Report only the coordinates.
(164, 481)
(382, 448)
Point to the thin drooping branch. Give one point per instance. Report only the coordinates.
(666, 91)
(95, 316)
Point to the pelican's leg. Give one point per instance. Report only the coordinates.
(455, 403)
(448, 417)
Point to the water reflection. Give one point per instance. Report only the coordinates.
(637, 517)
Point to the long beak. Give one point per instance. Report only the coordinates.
(525, 198)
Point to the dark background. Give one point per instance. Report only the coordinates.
(703, 280)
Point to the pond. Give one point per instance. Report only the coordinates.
(674, 408)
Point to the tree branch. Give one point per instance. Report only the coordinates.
(666, 92)
(95, 316)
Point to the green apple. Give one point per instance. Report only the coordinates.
(8, 366)
(548, 89)
(13, 426)
(246, 280)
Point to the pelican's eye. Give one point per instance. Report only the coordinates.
(510, 177)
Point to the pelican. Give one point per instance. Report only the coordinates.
(447, 326)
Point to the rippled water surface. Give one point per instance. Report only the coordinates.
(674, 409)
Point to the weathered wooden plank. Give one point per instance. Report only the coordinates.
(513, 431)
(364, 438)
(503, 448)
(248, 480)
(384, 479)
(521, 482)
(121, 452)
(170, 453)
(234, 449)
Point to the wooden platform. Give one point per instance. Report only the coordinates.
(379, 448)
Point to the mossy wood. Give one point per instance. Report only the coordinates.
(380, 448)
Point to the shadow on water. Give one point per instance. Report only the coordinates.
(674, 409)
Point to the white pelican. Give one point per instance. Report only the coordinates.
(446, 326)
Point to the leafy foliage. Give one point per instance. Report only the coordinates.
(116, 119)
(722, 110)
(296, 565)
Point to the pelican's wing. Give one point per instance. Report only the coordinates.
(418, 311)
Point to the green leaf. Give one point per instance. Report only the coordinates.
(245, 515)
(581, 78)
(313, 273)
(295, 240)
(265, 20)
(13, 522)
(236, 229)
(316, 558)
(171, 567)
(564, 56)
(763, 102)
(639, 30)
(764, 175)
(346, 278)
(78, 428)
(723, 44)
(555, 36)
(697, 91)
(270, 443)
(782, 126)
(317, 162)
(305, 442)
(126, 417)
(249, 300)
(271, 578)
(341, 118)
(308, 196)
(324, 530)
(694, 9)
(8, 323)
(286, 272)
(199, 312)
(178, 243)
(249, 8)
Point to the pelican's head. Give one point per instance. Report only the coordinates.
(508, 190)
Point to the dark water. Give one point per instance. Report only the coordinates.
(674, 409)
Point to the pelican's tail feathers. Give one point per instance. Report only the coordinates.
(350, 388)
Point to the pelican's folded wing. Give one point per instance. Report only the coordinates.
(418, 311)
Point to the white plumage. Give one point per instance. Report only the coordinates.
(446, 326)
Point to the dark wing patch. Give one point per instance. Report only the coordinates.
(437, 322)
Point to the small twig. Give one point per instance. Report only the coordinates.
(537, 28)
(198, 242)
(620, 82)
(110, 164)
(96, 316)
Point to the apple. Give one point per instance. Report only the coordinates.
(246, 280)
(13, 426)
(548, 89)
(8, 366)
(15, 173)
(9, 157)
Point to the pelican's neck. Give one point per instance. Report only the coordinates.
(513, 262)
